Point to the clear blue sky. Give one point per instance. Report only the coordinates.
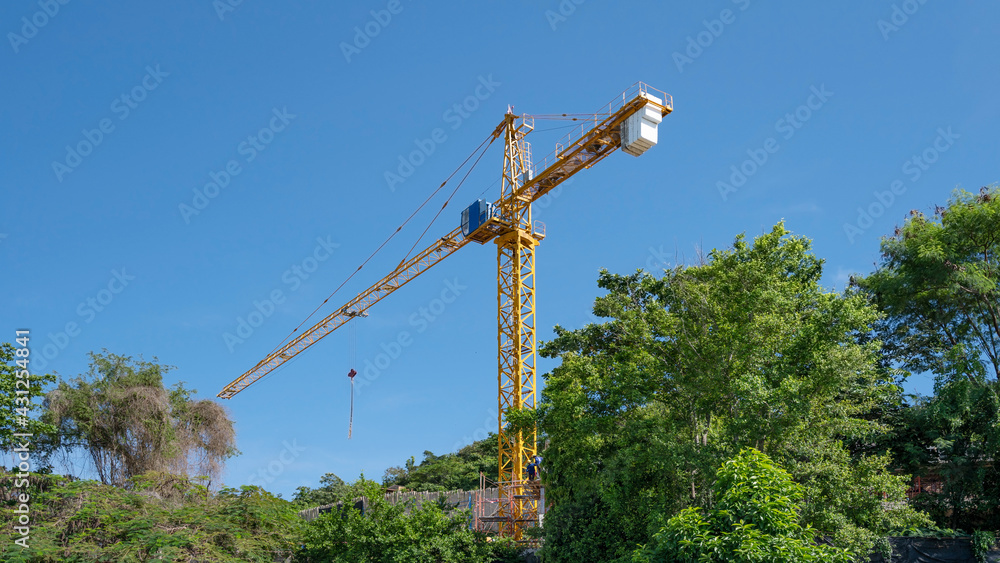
(154, 100)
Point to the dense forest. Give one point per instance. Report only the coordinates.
(728, 410)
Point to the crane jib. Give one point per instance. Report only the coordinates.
(441, 249)
(578, 151)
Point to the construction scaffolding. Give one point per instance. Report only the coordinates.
(489, 514)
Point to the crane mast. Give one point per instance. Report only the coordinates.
(629, 122)
(516, 329)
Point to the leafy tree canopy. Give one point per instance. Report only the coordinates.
(331, 490)
(743, 350)
(938, 282)
(447, 472)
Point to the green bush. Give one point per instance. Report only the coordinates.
(156, 517)
(755, 519)
(982, 542)
(385, 533)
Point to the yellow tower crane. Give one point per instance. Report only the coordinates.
(630, 122)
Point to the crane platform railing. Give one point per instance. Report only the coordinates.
(582, 147)
(594, 139)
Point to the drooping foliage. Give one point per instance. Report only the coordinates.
(938, 282)
(744, 350)
(121, 415)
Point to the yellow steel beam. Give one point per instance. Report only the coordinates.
(516, 333)
(583, 148)
(418, 264)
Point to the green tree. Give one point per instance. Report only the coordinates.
(938, 282)
(331, 490)
(448, 472)
(755, 518)
(19, 403)
(122, 416)
(743, 350)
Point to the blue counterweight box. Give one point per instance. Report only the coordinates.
(475, 215)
